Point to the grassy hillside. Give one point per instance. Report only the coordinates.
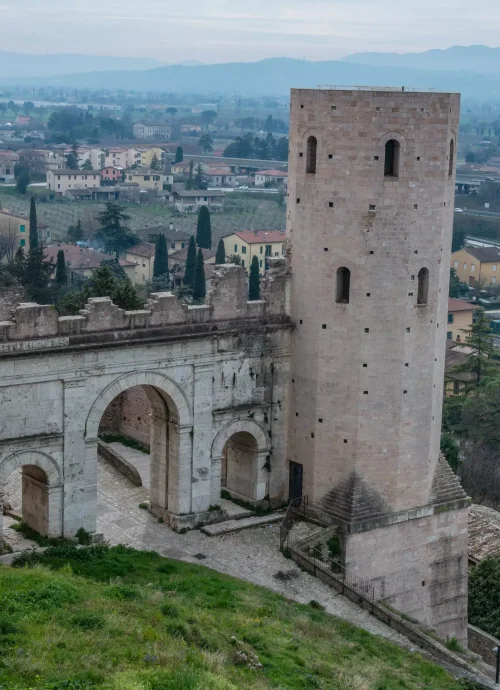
(118, 619)
(242, 212)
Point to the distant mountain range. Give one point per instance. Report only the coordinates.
(275, 77)
(474, 71)
(22, 65)
(479, 59)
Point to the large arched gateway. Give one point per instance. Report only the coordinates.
(205, 374)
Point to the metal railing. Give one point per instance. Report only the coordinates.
(309, 548)
(342, 87)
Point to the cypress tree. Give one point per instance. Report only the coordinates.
(254, 282)
(160, 265)
(190, 272)
(199, 280)
(220, 256)
(61, 276)
(104, 282)
(33, 225)
(179, 155)
(204, 229)
(38, 276)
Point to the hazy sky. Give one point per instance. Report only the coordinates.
(226, 30)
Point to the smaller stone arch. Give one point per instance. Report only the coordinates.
(240, 452)
(237, 426)
(41, 460)
(42, 487)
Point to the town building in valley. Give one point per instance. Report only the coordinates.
(263, 244)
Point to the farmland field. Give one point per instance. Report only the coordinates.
(241, 212)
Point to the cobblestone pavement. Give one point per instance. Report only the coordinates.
(251, 554)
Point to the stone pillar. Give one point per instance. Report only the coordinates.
(80, 463)
(161, 458)
(180, 472)
(261, 476)
(202, 439)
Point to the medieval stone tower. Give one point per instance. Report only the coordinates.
(370, 213)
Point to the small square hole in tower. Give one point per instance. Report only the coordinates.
(301, 154)
(415, 206)
(325, 249)
(330, 156)
(324, 326)
(367, 330)
(298, 201)
(345, 440)
(372, 207)
(334, 107)
(375, 158)
(320, 420)
(418, 158)
(330, 204)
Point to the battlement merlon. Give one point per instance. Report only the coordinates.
(227, 300)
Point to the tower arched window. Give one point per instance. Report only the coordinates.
(312, 150)
(451, 161)
(391, 164)
(423, 286)
(343, 285)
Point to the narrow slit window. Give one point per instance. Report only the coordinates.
(451, 162)
(391, 167)
(343, 285)
(312, 149)
(423, 286)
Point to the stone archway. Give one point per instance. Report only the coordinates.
(170, 444)
(240, 454)
(42, 490)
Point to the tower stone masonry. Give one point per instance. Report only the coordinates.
(370, 211)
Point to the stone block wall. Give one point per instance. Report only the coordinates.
(227, 300)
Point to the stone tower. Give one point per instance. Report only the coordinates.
(370, 209)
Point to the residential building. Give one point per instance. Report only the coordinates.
(96, 157)
(176, 239)
(148, 154)
(184, 167)
(122, 156)
(178, 259)
(460, 317)
(477, 266)
(142, 256)
(456, 382)
(263, 244)
(191, 200)
(113, 173)
(220, 177)
(59, 181)
(84, 261)
(271, 178)
(55, 161)
(103, 194)
(148, 180)
(188, 129)
(15, 232)
(8, 160)
(152, 130)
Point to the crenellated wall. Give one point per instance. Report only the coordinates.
(226, 301)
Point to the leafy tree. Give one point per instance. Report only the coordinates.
(72, 157)
(155, 163)
(190, 180)
(254, 281)
(479, 365)
(206, 143)
(451, 450)
(470, 157)
(199, 279)
(179, 154)
(190, 270)
(126, 296)
(269, 126)
(37, 277)
(28, 106)
(75, 232)
(72, 301)
(23, 180)
(220, 256)
(160, 264)
(458, 237)
(17, 268)
(235, 259)
(87, 164)
(484, 595)
(208, 116)
(171, 111)
(204, 229)
(112, 233)
(199, 180)
(104, 282)
(61, 277)
(117, 270)
(456, 286)
(33, 224)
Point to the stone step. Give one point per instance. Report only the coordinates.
(237, 525)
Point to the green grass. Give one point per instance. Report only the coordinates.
(240, 213)
(118, 619)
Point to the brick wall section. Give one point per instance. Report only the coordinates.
(110, 421)
(135, 417)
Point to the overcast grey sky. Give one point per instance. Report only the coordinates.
(227, 30)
